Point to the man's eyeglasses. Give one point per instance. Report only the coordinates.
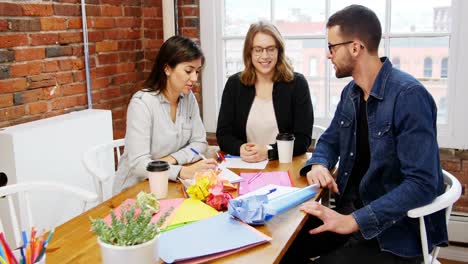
(331, 46)
(258, 51)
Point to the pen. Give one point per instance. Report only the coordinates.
(198, 153)
(254, 177)
(270, 191)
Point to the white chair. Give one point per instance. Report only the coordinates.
(317, 131)
(101, 161)
(23, 193)
(444, 201)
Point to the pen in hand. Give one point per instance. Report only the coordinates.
(198, 153)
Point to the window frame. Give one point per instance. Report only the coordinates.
(450, 135)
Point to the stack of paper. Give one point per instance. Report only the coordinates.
(208, 239)
(189, 211)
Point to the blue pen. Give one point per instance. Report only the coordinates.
(198, 153)
(270, 191)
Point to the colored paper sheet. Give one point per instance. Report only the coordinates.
(191, 210)
(208, 239)
(164, 206)
(254, 181)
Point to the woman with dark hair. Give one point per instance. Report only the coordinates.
(163, 119)
(265, 99)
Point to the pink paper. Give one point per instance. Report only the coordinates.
(164, 206)
(274, 177)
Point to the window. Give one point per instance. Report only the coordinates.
(396, 62)
(411, 31)
(428, 67)
(444, 68)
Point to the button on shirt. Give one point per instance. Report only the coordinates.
(151, 135)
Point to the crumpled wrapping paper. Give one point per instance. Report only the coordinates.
(257, 209)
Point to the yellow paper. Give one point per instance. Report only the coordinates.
(191, 210)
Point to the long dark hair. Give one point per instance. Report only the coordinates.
(173, 51)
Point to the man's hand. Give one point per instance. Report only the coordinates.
(251, 152)
(332, 221)
(321, 175)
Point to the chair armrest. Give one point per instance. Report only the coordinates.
(442, 201)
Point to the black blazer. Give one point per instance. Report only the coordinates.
(293, 111)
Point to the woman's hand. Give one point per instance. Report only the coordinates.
(187, 172)
(251, 152)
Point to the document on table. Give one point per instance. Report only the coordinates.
(279, 190)
(240, 164)
(229, 175)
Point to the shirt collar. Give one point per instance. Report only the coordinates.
(378, 88)
(163, 100)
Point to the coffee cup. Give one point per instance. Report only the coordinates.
(285, 143)
(158, 176)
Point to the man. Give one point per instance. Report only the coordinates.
(384, 133)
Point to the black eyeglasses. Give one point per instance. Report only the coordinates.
(330, 46)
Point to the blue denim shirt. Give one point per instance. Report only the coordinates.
(404, 170)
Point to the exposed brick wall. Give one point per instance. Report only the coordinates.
(42, 68)
(456, 162)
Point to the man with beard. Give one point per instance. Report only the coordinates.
(384, 134)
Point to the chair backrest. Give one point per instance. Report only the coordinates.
(317, 131)
(18, 197)
(444, 201)
(101, 161)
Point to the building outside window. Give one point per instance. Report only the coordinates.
(421, 34)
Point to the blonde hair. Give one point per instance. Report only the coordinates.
(283, 68)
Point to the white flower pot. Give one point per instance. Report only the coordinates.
(146, 253)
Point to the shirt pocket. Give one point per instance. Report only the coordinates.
(186, 132)
(383, 141)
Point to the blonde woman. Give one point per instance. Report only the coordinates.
(265, 99)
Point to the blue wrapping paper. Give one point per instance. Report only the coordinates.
(257, 209)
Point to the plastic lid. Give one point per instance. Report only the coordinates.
(285, 136)
(157, 165)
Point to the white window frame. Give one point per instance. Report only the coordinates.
(454, 134)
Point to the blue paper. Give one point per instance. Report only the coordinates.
(249, 210)
(285, 202)
(209, 236)
(257, 209)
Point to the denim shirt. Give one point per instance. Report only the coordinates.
(404, 170)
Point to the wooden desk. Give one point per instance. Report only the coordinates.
(74, 242)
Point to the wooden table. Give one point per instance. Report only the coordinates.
(74, 242)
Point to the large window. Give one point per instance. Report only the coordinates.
(419, 35)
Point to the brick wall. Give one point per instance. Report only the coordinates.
(42, 68)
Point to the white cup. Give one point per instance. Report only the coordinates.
(285, 143)
(158, 175)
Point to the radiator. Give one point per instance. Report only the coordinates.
(51, 150)
(458, 226)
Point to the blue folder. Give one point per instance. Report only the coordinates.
(213, 235)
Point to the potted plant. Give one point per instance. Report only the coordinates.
(130, 237)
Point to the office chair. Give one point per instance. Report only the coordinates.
(101, 161)
(444, 201)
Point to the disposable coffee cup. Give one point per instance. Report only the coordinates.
(158, 176)
(285, 143)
